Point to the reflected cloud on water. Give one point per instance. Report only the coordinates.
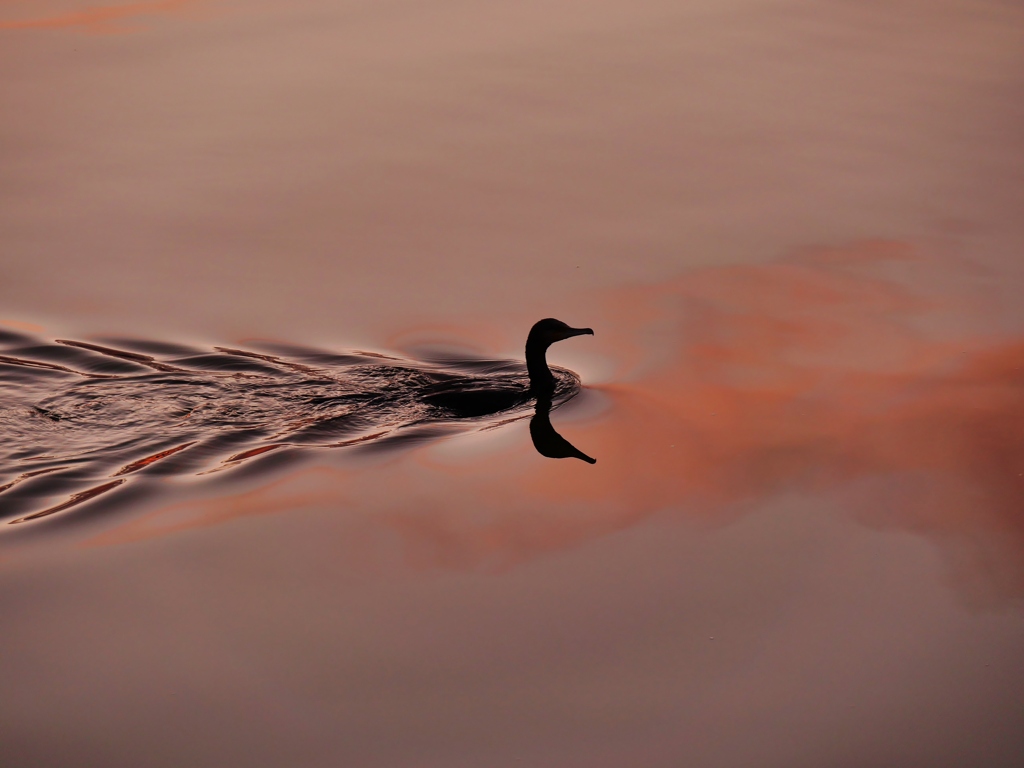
(838, 374)
(92, 17)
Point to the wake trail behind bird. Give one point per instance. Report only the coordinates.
(82, 419)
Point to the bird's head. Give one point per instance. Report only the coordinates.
(547, 331)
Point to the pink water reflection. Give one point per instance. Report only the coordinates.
(817, 374)
(798, 450)
(91, 17)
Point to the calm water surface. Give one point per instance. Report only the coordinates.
(244, 245)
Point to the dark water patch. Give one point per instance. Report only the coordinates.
(119, 354)
(277, 361)
(315, 356)
(258, 465)
(407, 438)
(227, 362)
(330, 430)
(10, 338)
(76, 359)
(76, 499)
(88, 427)
(152, 348)
(27, 476)
(20, 362)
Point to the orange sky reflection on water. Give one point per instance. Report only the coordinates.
(814, 374)
(89, 17)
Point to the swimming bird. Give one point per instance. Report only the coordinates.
(472, 397)
(80, 410)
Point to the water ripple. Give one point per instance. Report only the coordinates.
(82, 420)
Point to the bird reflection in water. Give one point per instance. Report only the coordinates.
(83, 419)
(546, 440)
(542, 384)
(474, 398)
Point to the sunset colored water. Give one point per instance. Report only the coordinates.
(275, 485)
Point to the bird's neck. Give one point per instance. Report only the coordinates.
(541, 380)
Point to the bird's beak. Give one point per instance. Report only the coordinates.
(579, 332)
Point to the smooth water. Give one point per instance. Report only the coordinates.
(273, 487)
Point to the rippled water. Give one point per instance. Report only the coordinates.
(795, 228)
(81, 419)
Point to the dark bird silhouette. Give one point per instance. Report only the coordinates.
(547, 441)
(473, 397)
(542, 386)
(543, 334)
